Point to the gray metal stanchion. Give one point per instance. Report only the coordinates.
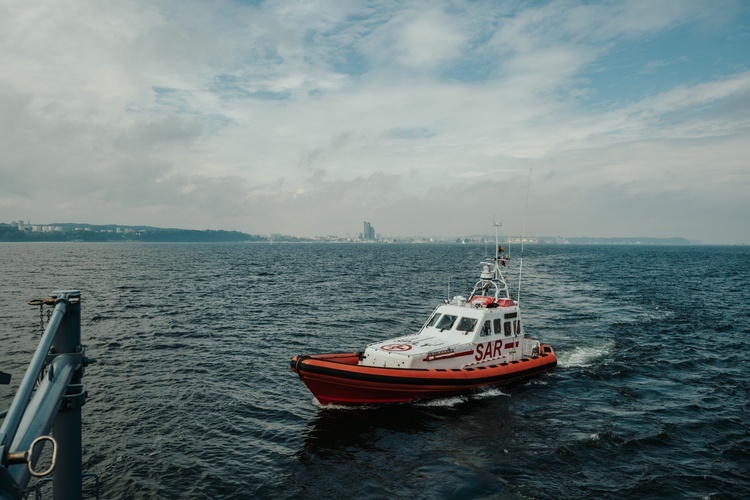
(54, 404)
(66, 480)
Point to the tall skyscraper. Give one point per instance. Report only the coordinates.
(369, 232)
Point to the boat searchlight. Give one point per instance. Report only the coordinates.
(486, 273)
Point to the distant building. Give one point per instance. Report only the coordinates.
(368, 234)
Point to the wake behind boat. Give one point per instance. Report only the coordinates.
(466, 344)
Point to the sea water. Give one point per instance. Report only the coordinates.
(192, 395)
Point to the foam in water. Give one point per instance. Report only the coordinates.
(445, 402)
(583, 356)
(332, 407)
(442, 402)
(490, 393)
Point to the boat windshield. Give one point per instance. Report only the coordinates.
(433, 320)
(466, 325)
(446, 322)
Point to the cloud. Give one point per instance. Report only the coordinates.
(310, 118)
(418, 38)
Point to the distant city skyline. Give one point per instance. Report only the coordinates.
(368, 229)
(597, 118)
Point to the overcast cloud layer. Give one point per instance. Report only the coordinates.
(424, 118)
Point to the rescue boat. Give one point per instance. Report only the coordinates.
(467, 344)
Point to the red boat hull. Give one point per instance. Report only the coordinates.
(336, 378)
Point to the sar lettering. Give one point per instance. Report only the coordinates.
(489, 350)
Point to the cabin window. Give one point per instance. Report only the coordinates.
(466, 324)
(446, 322)
(486, 329)
(508, 333)
(433, 320)
(498, 324)
(517, 326)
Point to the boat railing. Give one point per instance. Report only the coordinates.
(49, 397)
(490, 288)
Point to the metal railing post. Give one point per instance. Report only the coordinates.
(50, 396)
(67, 478)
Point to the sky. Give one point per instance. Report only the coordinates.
(424, 118)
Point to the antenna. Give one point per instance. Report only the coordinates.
(523, 236)
(497, 226)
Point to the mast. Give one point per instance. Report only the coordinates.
(520, 271)
(523, 237)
